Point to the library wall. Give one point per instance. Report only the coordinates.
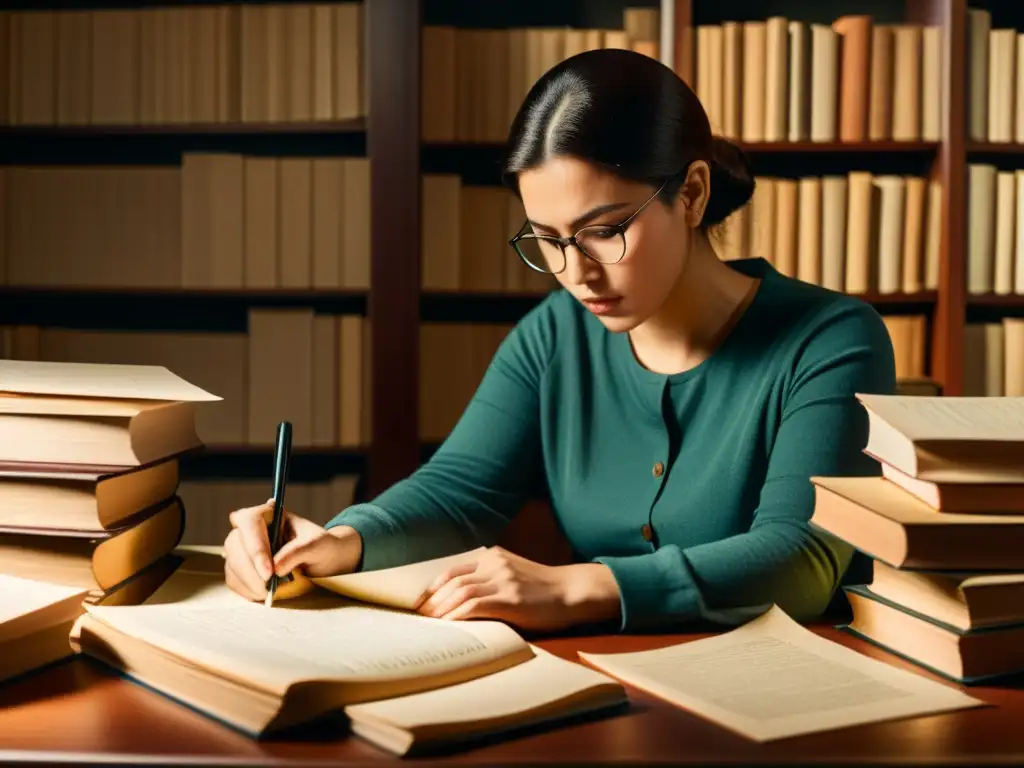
(192, 185)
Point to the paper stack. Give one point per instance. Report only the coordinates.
(89, 476)
(944, 524)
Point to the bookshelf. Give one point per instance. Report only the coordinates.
(396, 303)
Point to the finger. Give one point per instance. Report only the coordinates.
(241, 565)
(292, 556)
(444, 578)
(484, 607)
(252, 529)
(238, 585)
(456, 592)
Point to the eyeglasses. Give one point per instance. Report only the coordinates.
(604, 243)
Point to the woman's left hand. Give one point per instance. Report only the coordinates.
(504, 586)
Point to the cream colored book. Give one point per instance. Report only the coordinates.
(772, 678)
(35, 619)
(263, 670)
(97, 414)
(1005, 232)
(944, 438)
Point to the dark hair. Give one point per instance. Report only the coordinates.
(635, 117)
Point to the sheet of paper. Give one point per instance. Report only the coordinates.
(398, 587)
(147, 382)
(773, 678)
(19, 597)
(319, 636)
(951, 418)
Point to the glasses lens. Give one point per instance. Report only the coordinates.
(604, 244)
(540, 253)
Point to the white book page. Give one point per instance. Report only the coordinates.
(399, 587)
(542, 680)
(950, 418)
(146, 382)
(773, 678)
(319, 636)
(20, 597)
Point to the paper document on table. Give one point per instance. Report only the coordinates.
(773, 678)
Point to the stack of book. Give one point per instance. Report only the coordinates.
(89, 476)
(944, 525)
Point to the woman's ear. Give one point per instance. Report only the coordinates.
(695, 191)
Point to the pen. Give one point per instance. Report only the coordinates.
(282, 457)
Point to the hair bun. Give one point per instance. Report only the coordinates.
(732, 181)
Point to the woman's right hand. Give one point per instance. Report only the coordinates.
(308, 549)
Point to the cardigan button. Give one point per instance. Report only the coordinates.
(646, 532)
(658, 469)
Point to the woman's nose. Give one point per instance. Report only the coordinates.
(579, 268)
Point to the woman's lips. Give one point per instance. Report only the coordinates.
(603, 305)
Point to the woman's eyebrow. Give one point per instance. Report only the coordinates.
(580, 221)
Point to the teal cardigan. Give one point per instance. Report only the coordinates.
(692, 487)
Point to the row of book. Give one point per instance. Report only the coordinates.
(780, 79)
(217, 221)
(89, 474)
(267, 222)
(232, 221)
(856, 233)
(291, 365)
(994, 358)
(944, 527)
(995, 80)
(191, 64)
(474, 80)
(313, 370)
(995, 227)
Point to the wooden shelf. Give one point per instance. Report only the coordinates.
(753, 147)
(355, 125)
(164, 144)
(466, 307)
(254, 461)
(982, 148)
(469, 307)
(886, 299)
(480, 163)
(171, 309)
(253, 294)
(995, 300)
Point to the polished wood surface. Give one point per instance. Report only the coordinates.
(79, 712)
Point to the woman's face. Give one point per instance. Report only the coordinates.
(565, 194)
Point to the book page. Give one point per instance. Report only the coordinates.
(319, 636)
(28, 605)
(399, 587)
(116, 382)
(19, 596)
(950, 418)
(542, 687)
(773, 678)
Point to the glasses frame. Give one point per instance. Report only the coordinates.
(564, 242)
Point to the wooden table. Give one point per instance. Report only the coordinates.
(79, 712)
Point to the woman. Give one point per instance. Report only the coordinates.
(673, 406)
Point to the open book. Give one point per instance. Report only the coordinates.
(35, 619)
(262, 669)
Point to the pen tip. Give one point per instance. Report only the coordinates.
(269, 600)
